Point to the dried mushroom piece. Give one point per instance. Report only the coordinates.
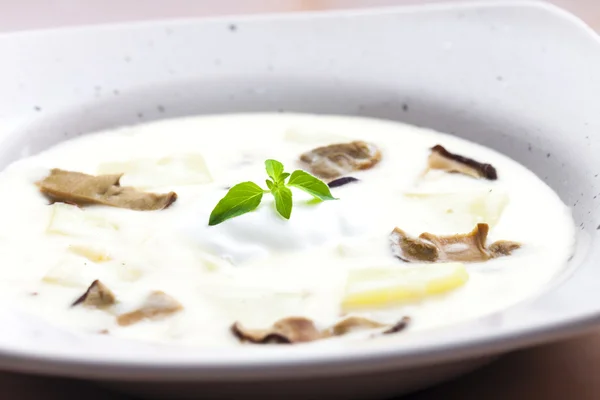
(300, 330)
(503, 248)
(398, 326)
(330, 162)
(342, 181)
(354, 323)
(284, 331)
(96, 296)
(157, 305)
(440, 158)
(468, 247)
(412, 249)
(461, 247)
(83, 189)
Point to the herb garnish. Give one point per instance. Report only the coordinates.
(246, 196)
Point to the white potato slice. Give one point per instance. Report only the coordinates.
(71, 272)
(305, 136)
(254, 305)
(471, 208)
(79, 271)
(212, 263)
(387, 286)
(174, 170)
(70, 220)
(128, 272)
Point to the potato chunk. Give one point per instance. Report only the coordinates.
(389, 286)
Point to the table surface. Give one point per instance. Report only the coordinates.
(564, 370)
(35, 14)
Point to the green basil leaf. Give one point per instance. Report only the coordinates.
(283, 177)
(274, 169)
(270, 184)
(240, 199)
(283, 201)
(310, 184)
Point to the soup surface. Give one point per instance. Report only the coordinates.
(167, 275)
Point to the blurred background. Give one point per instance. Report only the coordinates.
(33, 14)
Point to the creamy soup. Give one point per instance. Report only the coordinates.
(167, 275)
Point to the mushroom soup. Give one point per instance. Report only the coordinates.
(274, 228)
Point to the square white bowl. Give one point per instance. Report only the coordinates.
(520, 77)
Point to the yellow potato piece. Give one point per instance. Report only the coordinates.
(91, 253)
(381, 287)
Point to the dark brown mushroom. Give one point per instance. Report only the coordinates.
(330, 162)
(352, 324)
(299, 330)
(412, 249)
(461, 247)
(503, 248)
(440, 158)
(284, 331)
(469, 247)
(96, 296)
(398, 326)
(342, 181)
(82, 189)
(157, 305)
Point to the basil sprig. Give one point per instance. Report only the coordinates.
(246, 196)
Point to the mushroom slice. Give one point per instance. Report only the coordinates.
(300, 329)
(412, 249)
(467, 247)
(398, 326)
(354, 323)
(503, 248)
(342, 181)
(96, 296)
(285, 331)
(157, 305)
(82, 189)
(335, 160)
(440, 158)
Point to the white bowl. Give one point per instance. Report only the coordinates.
(516, 76)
